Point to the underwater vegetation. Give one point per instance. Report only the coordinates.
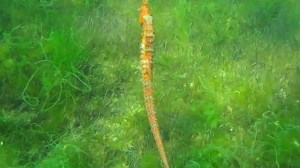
(226, 84)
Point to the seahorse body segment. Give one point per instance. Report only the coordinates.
(146, 66)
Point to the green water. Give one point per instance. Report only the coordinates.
(226, 83)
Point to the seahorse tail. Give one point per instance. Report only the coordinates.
(155, 129)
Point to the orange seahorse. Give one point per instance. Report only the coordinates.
(146, 66)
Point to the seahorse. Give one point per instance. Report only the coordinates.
(146, 68)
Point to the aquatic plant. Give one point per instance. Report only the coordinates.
(226, 84)
(57, 72)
